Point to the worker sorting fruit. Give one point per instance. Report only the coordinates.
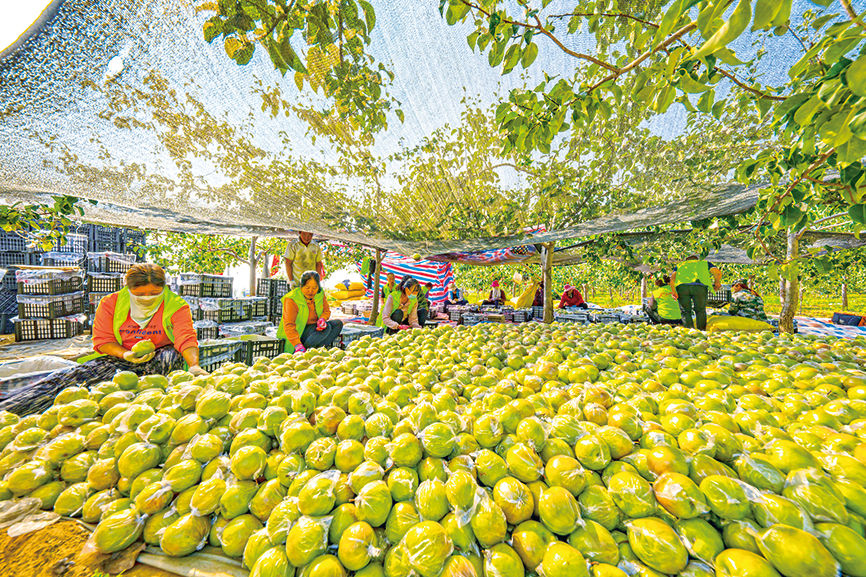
(400, 311)
(143, 328)
(305, 324)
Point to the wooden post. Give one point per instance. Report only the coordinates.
(374, 314)
(791, 288)
(643, 287)
(266, 269)
(252, 258)
(845, 295)
(547, 270)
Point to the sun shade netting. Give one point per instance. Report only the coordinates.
(124, 103)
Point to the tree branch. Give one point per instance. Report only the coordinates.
(849, 9)
(607, 15)
(748, 88)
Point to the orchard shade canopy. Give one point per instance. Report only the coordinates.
(122, 102)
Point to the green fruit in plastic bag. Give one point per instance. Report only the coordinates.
(595, 542)
(153, 527)
(118, 531)
(71, 501)
(138, 458)
(373, 503)
(317, 496)
(29, 439)
(742, 563)
(757, 471)
(490, 467)
(248, 462)
(272, 563)
(460, 490)
(350, 454)
(456, 566)
(769, 509)
(235, 501)
(515, 500)
(596, 504)
(502, 560)
(488, 522)
(427, 548)
(632, 495)
(95, 505)
(205, 447)
(566, 472)
(186, 535)
(143, 480)
(523, 463)
(366, 472)
(459, 530)
(296, 436)
(154, 498)
(853, 494)
(657, 545)
(396, 562)
(74, 469)
(530, 540)
(320, 454)
(406, 450)
(77, 412)
(700, 538)
(184, 475)
(787, 455)
(28, 477)
(206, 498)
(306, 540)
(236, 533)
(438, 440)
(117, 505)
(102, 474)
(269, 495)
(818, 501)
(48, 494)
(846, 546)
(402, 517)
(155, 429)
(62, 448)
(726, 497)
(256, 546)
(796, 553)
(563, 560)
(357, 546)
(592, 452)
(431, 500)
(216, 531)
(213, 404)
(281, 519)
(341, 518)
(679, 495)
(559, 511)
(186, 428)
(403, 482)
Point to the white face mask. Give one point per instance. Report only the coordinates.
(142, 308)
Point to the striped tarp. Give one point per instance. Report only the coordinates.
(424, 271)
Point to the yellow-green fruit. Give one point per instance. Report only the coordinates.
(726, 497)
(431, 500)
(269, 495)
(71, 501)
(632, 494)
(530, 540)
(323, 566)
(558, 510)
(514, 498)
(235, 500)
(460, 490)
(183, 475)
(402, 517)
(502, 560)
(489, 523)
(256, 546)
(154, 498)
(701, 539)
(357, 546)
(153, 527)
(236, 533)
(206, 498)
(679, 495)
(306, 540)
(523, 463)
(118, 531)
(186, 535)
(48, 494)
(657, 545)
(272, 563)
(138, 458)
(455, 566)
(563, 560)
(742, 563)
(796, 553)
(595, 543)
(373, 503)
(566, 472)
(427, 548)
(143, 348)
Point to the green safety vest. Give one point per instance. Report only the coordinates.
(692, 271)
(667, 307)
(365, 265)
(303, 313)
(394, 292)
(395, 296)
(171, 303)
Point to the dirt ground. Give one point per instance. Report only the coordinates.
(51, 552)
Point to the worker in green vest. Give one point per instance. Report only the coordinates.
(400, 311)
(664, 304)
(391, 287)
(306, 320)
(142, 329)
(690, 284)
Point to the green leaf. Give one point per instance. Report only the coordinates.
(729, 31)
(400, 115)
(858, 213)
(529, 55)
(668, 20)
(232, 45)
(369, 14)
(512, 57)
(290, 57)
(705, 103)
(765, 14)
(855, 75)
(212, 28)
(471, 39)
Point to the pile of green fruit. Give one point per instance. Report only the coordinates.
(495, 450)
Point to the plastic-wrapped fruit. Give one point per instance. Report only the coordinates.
(726, 497)
(28, 477)
(366, 472)
(317, 496)
(373, 503)
(742, 563)
(280, 520)
(236, 533)
(459, 530)
(757, 471)
(427, 547)
(592, 452)
(48, 494)
(431, 500)
(438, 440)
(846, 545)
(402, 517)
(341, 518)
(154, 498)
(213, 404)
(523, 463)
(206, 498)
(632, 494)
(460, 490)
(272, 563)
(256, 546)
(357, 546)
(530, 540)
(96, 504)
(502, 560)
(818, 501)
(71, 501)
(306, 540)
(248, 462)
(102, 474)
(455, 566)
(490, 467)
(595, 542)
(403, 482)
(137, 458)
(563, 560)
(657, 545)
(679, 495)
(515, 500)
(118, 531)
(205, 447)
(488, 522)
(566, 472)
(186, 535)
(596, 504)
(558, 510)
(323, 566)
(796, 553)
(266, 498)
(235, 501)
(153, 527)
(74, 469)
(769, 509)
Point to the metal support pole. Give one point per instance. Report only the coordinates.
(547, 268)
(375, 313)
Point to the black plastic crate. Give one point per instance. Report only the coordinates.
(40, 329)
(8, 302)
(719, 297)
(62, 259)
(15, 258)
(209, 332)
(50, 307)
(272, 287)
(12, 242)
(109, 262)
(254, 307)
(269, 348)
(214, 286)
(105, 238)
(48, 282)
(73, 242)
(211, 355)
(231, 315)
(104, 282)
(7, 327)
(93, 300)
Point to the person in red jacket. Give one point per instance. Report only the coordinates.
(144, 310)
(571, 297)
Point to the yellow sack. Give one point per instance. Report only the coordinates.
(356, 287)
(526, 297)
(346, 295)
(720, 323)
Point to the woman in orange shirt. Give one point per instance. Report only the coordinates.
(305, 323)
(144, 310)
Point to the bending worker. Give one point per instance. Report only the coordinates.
(305, 323)
(667, 308)
(691, 283)
(400, 311)
(145, 310)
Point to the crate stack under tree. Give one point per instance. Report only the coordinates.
(51, 303)
(273, 289)
(14, 253)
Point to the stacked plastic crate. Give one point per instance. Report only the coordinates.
(274, 290)
(13, 254)
(51, 303)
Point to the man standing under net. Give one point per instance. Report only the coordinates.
(302, 255)
(691, 283)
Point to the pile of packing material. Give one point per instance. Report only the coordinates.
(347, 291)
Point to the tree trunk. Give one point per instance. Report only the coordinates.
(253, 262)
(547, 265)
(266, 265)
(800, 299)
(845, 295)
(791, 288)
(583, 291)
(643, 287)
(374, 314)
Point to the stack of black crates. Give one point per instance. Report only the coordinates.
(51, 303)
(274, 290)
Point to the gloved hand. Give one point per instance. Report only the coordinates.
(321, 324)
(197, 371)
(300, 349)
(403, 327)
(130, 357)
